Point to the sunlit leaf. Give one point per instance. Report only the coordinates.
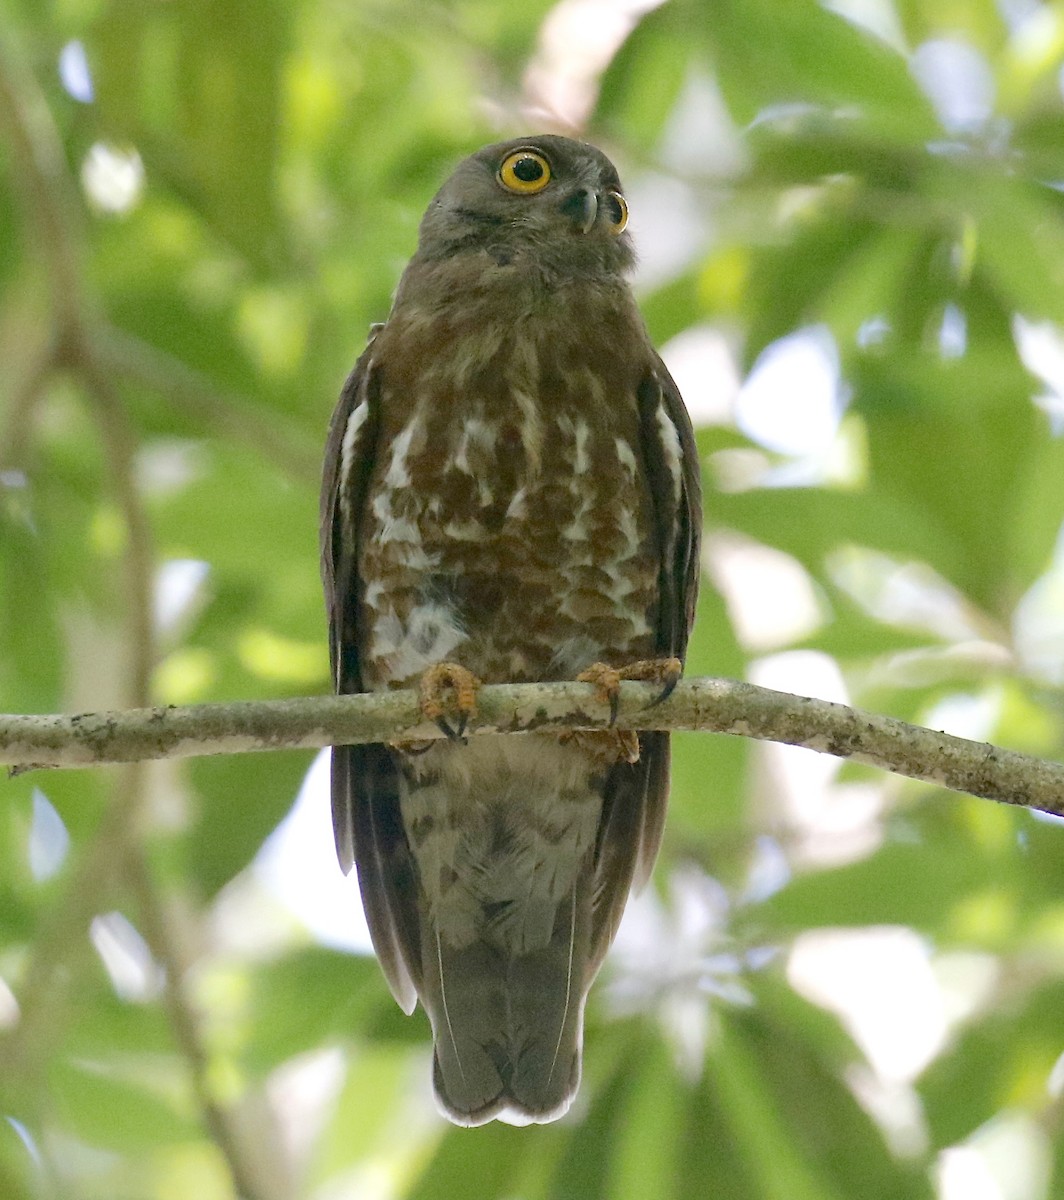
(802, 52)
(109, 1113)
(646, 75)
(1004, 1061)
(240, 802)
(306, 1000)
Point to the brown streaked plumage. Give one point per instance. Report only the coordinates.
(511, 483)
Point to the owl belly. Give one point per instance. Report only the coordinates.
(519, 567)
(501, 829)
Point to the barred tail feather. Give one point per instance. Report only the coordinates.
(508, 1028)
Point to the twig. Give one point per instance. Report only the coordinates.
(52, 204)
(252, 1180)
(41, 170)
(120, 446)
(15, 428)
(714, 705)
(232, 416)
(258, 1172)
(79, 345)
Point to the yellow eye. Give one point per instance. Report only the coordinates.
(616, 209)
(524, 172)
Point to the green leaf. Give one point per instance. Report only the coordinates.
(802, 1130)
(800, 52)
(809, 523)
(583, 1168)
(672, 308)
(229, 493)
(901, 884)
(109, 1112)
(775, 1163)
(960, 408)
(111, 1029)
(851, 634)
(1032, 537)
(30, 659)
(305, 1000)
(363, 1122)
(491, 1156)
(708, 771)
(645, 1167)
(1003, 1061)
(19, 1174)
(242, 798)
(643, 80)
(791, 285)
(980, 22)
(1020, 243)
(208, 71)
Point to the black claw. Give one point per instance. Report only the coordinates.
(450, 734)
(615, 706)
(666, 691)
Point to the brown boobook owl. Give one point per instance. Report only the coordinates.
(511, 493)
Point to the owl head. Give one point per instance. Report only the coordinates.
(543, 202)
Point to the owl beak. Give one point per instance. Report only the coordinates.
(581, 207)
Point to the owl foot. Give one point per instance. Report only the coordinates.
(607, 679)
(449, 692)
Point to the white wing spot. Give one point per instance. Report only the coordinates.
(398, 475)
(531, 429)
(373, 593)
(477, 435)
(670, 443)
(626, 457)
(465, 531)
(349, 451)
(430, 635)
(517, 507)
(584, 497)
(580, 456)
(392, 528)
(627, 522)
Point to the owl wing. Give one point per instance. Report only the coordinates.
(635, 794)
(670, 457)
(365, 780)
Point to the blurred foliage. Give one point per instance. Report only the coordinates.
(203, 205)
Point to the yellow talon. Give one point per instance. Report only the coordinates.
(448, 690)
(607, 680)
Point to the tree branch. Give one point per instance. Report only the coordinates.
(713, 705)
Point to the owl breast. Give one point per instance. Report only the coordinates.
(508, 524)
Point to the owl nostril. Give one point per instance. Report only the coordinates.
(581, 207)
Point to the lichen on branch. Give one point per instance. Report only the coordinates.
(709, 705)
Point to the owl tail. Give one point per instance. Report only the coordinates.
(508, 1026)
